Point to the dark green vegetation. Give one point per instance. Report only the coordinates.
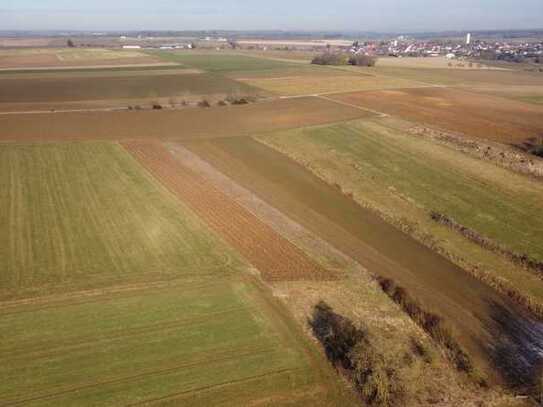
(148, 304)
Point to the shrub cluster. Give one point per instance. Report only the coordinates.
(519, 258)
(362, 60)
(330, 58)
(349, 349)
(339, 58)
(431, 323)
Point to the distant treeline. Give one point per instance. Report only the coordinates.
(340, 58)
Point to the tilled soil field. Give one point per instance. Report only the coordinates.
(274, 256)
(475, 115)
(186, 124)
(61, 88)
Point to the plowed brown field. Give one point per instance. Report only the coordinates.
(275, 257)
(475, 115)
(187, 124)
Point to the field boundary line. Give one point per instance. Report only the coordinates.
(380, 114)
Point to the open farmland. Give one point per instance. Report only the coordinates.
(430, 63)
(463, 77)
(476, 115)
(273, 256)
(94, 217)
(192, 342)
(184, 124)
(177, 253)
(68, 57)
(225, 63)
(116, 293)
(406, 184)
(66, 87)
(244, 65)
(362, 235)
(332, 82)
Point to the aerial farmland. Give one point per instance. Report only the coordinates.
(240, 227)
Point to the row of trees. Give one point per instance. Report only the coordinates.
(339, 58)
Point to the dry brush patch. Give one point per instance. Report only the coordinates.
(275, 257)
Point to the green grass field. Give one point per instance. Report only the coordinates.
(86, 213)
(238, 66)
(113, 292)
(223, 63)
(406, 178)
(192, 342)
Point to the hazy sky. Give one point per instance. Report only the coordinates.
(362, 15)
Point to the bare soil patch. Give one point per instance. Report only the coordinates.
(475, 115)
(274, 256)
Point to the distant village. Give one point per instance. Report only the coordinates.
(403, 46)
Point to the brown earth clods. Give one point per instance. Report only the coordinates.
(475, 115)
(275, 257)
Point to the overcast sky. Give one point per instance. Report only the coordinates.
(360, 15)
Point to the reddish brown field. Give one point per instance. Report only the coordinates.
(274, 256)
(475, 115)
(188, 124)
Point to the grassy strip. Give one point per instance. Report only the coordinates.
(521, 259)
(435, 327)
